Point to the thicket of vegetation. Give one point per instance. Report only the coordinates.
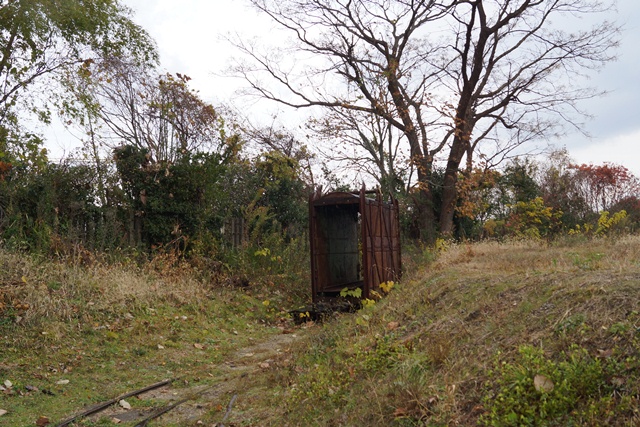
(160, 169)
(192, 204)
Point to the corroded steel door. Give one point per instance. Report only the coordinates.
(380, 243)
(354, 242)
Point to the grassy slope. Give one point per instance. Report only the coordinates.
(457, 343)
(460, 343)
(107, 329)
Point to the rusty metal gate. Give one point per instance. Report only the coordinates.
(354, 242)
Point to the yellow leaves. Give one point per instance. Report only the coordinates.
(346, 292)
(532, 218)
(262, 252)
(363, 320)
(473, 190)
(605, 223)
(368, 303)
(376, 295)
(387, 286)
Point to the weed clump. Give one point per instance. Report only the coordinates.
(577, 389)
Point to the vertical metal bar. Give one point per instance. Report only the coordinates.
(382, 276)
(313, 248)
(386, 221)
(397, 237)
(366, 276)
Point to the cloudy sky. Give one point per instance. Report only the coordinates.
(191, 38)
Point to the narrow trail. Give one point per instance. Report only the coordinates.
(226, 379)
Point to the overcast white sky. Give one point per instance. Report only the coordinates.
(190, 37)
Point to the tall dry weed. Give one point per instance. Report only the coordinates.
(33, 290)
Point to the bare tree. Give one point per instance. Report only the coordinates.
(456, 73)
(125, 102)
(376, 48)
(513, 69)
(371, 146)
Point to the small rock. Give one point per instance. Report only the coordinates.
(8, 384)
(160, 347)
(3, 412)
(124, 404)
(543, 384)
(62, 382)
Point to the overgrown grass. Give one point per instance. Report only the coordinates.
(466, 339)
(461, 341)
(80, 331)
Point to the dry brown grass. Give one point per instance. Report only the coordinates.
(455, 316)
(109, 328)
(36, 290)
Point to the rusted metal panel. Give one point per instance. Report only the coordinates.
(354, 242)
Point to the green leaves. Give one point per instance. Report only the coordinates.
(536, 390)
(40, 39)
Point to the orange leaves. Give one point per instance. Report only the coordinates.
(471, 190)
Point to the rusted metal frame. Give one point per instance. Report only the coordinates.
(314, 249)
(389, 239)
(366, 279)
(398, 264)
(384, 228)
(375, 267)
(394, 239)
(102, 406)
(371, 255)
(381, 211)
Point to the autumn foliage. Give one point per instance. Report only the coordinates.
(544, 199)
(603, 186)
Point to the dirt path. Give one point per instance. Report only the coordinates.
(226, 379)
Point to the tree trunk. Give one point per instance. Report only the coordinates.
(449, 192)
(425, 215)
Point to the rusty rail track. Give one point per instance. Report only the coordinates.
(155, 414)
(161, 411)
(104, 405)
